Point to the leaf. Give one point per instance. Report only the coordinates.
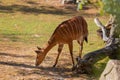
(111, 6)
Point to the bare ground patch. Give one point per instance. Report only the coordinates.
(17, 59)
(17, 63)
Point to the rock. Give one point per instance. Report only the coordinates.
(112, 71)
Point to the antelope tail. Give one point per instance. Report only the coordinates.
(86, 39)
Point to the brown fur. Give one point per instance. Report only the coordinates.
(69, 30)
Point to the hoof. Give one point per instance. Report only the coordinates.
(78, 58)
(73, 68)
(54, 66)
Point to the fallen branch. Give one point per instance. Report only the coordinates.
(111, 49)
(84, 65)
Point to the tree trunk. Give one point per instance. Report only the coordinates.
(85, 64)
(112, 49)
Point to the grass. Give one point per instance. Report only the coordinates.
(19, 24)
(27, 26)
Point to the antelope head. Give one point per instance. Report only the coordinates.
(40, 56)
(107, 38)
(104, 31)
(106, 27)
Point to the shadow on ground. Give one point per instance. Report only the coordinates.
(28, 68)
(32, 9)
(45, 71)
(15, 55)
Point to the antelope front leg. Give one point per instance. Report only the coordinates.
(60, 47)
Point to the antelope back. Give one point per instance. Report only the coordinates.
(71, 29)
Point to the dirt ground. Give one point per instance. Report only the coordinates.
(17, 63)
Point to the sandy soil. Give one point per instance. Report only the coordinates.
(17, 63)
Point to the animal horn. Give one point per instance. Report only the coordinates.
(99, 24)
(110, 22)
(37, 51)
(38, 48)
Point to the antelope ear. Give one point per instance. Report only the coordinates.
(37, 51)
(39, 48)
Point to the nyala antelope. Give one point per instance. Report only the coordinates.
(107, 28)
(100, 33)
(69, 30)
